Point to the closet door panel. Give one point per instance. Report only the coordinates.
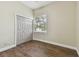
(24, 30)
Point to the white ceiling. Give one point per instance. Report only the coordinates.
(36, 4)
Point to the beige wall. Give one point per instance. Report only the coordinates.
(7, 17)
(77, 26)
(61, 23)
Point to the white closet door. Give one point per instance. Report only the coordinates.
(24, 29)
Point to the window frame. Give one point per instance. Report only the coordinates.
(45, 16)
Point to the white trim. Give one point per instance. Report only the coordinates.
(62, 45)
(24, 16)
(6, 48)
(40, 31)
(77, 51)
(15, 29)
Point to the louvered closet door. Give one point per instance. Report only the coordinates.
(24, 29)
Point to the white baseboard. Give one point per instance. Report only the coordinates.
(7, 47)
(77, 51)
(62, 45)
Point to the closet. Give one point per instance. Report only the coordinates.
(24, 29)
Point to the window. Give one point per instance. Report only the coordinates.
(40, 24)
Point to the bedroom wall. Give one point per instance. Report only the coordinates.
(77, 25)
(7, 16)
(61, 23)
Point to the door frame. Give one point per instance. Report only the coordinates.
(15, 26)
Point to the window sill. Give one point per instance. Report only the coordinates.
(40, 31)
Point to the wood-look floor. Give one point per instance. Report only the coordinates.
(38, 49)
